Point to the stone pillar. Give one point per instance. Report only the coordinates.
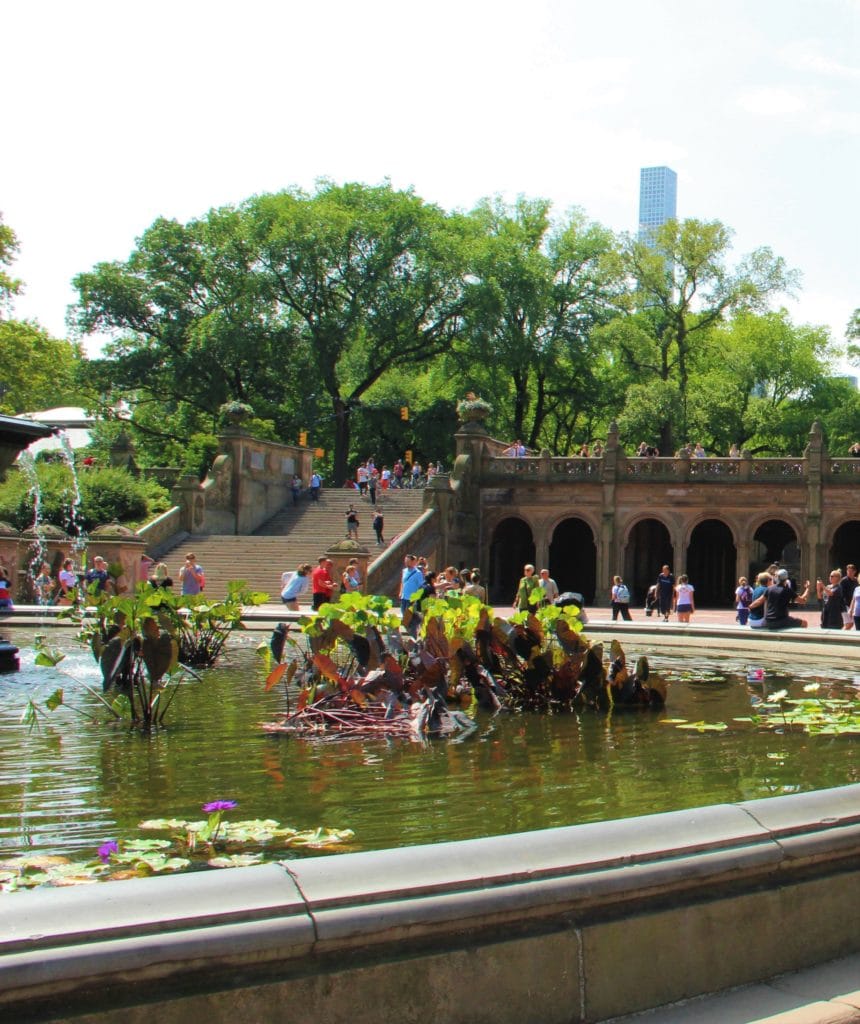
(188, 495)
(340, 554)
(121, 548)
(813, 551)
(608, 557)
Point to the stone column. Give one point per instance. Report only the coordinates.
(813, 551)
(608, 558)
(340, 554)
(188, 495)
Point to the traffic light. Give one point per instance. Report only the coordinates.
(303, 438)
(408, 455)
(404, 412)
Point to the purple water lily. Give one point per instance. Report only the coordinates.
(106, 849)
(220, 805)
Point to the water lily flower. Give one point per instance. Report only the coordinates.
(220, 805)
(106, 849)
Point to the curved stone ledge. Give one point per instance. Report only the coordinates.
(670, 893)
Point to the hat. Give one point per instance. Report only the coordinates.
(782, 574)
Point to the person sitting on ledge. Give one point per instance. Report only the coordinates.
(779, 597)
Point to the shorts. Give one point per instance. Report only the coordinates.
(684, 609)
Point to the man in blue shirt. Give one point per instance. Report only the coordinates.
(411, 581)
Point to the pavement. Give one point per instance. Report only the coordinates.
(826, 994)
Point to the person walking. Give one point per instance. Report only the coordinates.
(620, 599)
(316, 486)
(684, 604)
(294, 584)
(378, 523)
(665, 592)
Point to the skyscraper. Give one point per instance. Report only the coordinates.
(658, 193)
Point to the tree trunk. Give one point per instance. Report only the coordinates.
(341, 441)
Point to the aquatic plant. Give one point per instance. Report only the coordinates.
(185, 845)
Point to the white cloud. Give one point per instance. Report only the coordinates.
(808, 57)
(773, 102)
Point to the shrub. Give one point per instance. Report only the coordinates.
(105, 494)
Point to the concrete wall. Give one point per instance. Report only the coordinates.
(563, 925)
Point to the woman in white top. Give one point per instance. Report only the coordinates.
(684, 605)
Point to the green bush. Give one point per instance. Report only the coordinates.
(105, 494)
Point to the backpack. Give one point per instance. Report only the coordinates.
(622, 594)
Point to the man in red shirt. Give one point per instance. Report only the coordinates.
(322, 583)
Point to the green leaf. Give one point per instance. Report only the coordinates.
(54, 701)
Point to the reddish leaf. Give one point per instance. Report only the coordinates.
(275, 676)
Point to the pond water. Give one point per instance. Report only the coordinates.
(74, 784)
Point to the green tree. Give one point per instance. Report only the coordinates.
(367, 279)
(9, 286)
(683, 285)
(538, 290)
(36, 370)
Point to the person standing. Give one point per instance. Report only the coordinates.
(620, 599)
(548, 586)
(350, 579)
(378, 523)
(529, 585)
(316, 486)
(848, 584)
(5, 590)
(67, 580)
(322, 584)
(475, 588)
(832, 602)
(98, 575)
(665, 592)
(351, 524)
(191, 576)
(43, 585)
(411, 581)
(372, 484)
(743, 597)
(361, 478)
(296, 488)
(684, 604)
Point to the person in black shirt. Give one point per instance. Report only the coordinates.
(665, 592)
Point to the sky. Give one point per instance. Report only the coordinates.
(117, 113)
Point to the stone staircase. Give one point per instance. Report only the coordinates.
(292, 536)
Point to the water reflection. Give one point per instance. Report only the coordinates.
(73, 785)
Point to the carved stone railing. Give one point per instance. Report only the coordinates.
(383, 574)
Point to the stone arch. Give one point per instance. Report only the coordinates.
(647, 547)
(711, 562)
(511, 547)
(573, 557)
(844, 546)
(775, 539)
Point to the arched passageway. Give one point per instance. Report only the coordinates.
(845, 549)
(774, 541)
(649, 548)
(711, 562)
(573, 558)
(511, 548)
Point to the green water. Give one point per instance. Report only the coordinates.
(73, 785)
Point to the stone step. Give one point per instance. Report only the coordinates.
(293, 536)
